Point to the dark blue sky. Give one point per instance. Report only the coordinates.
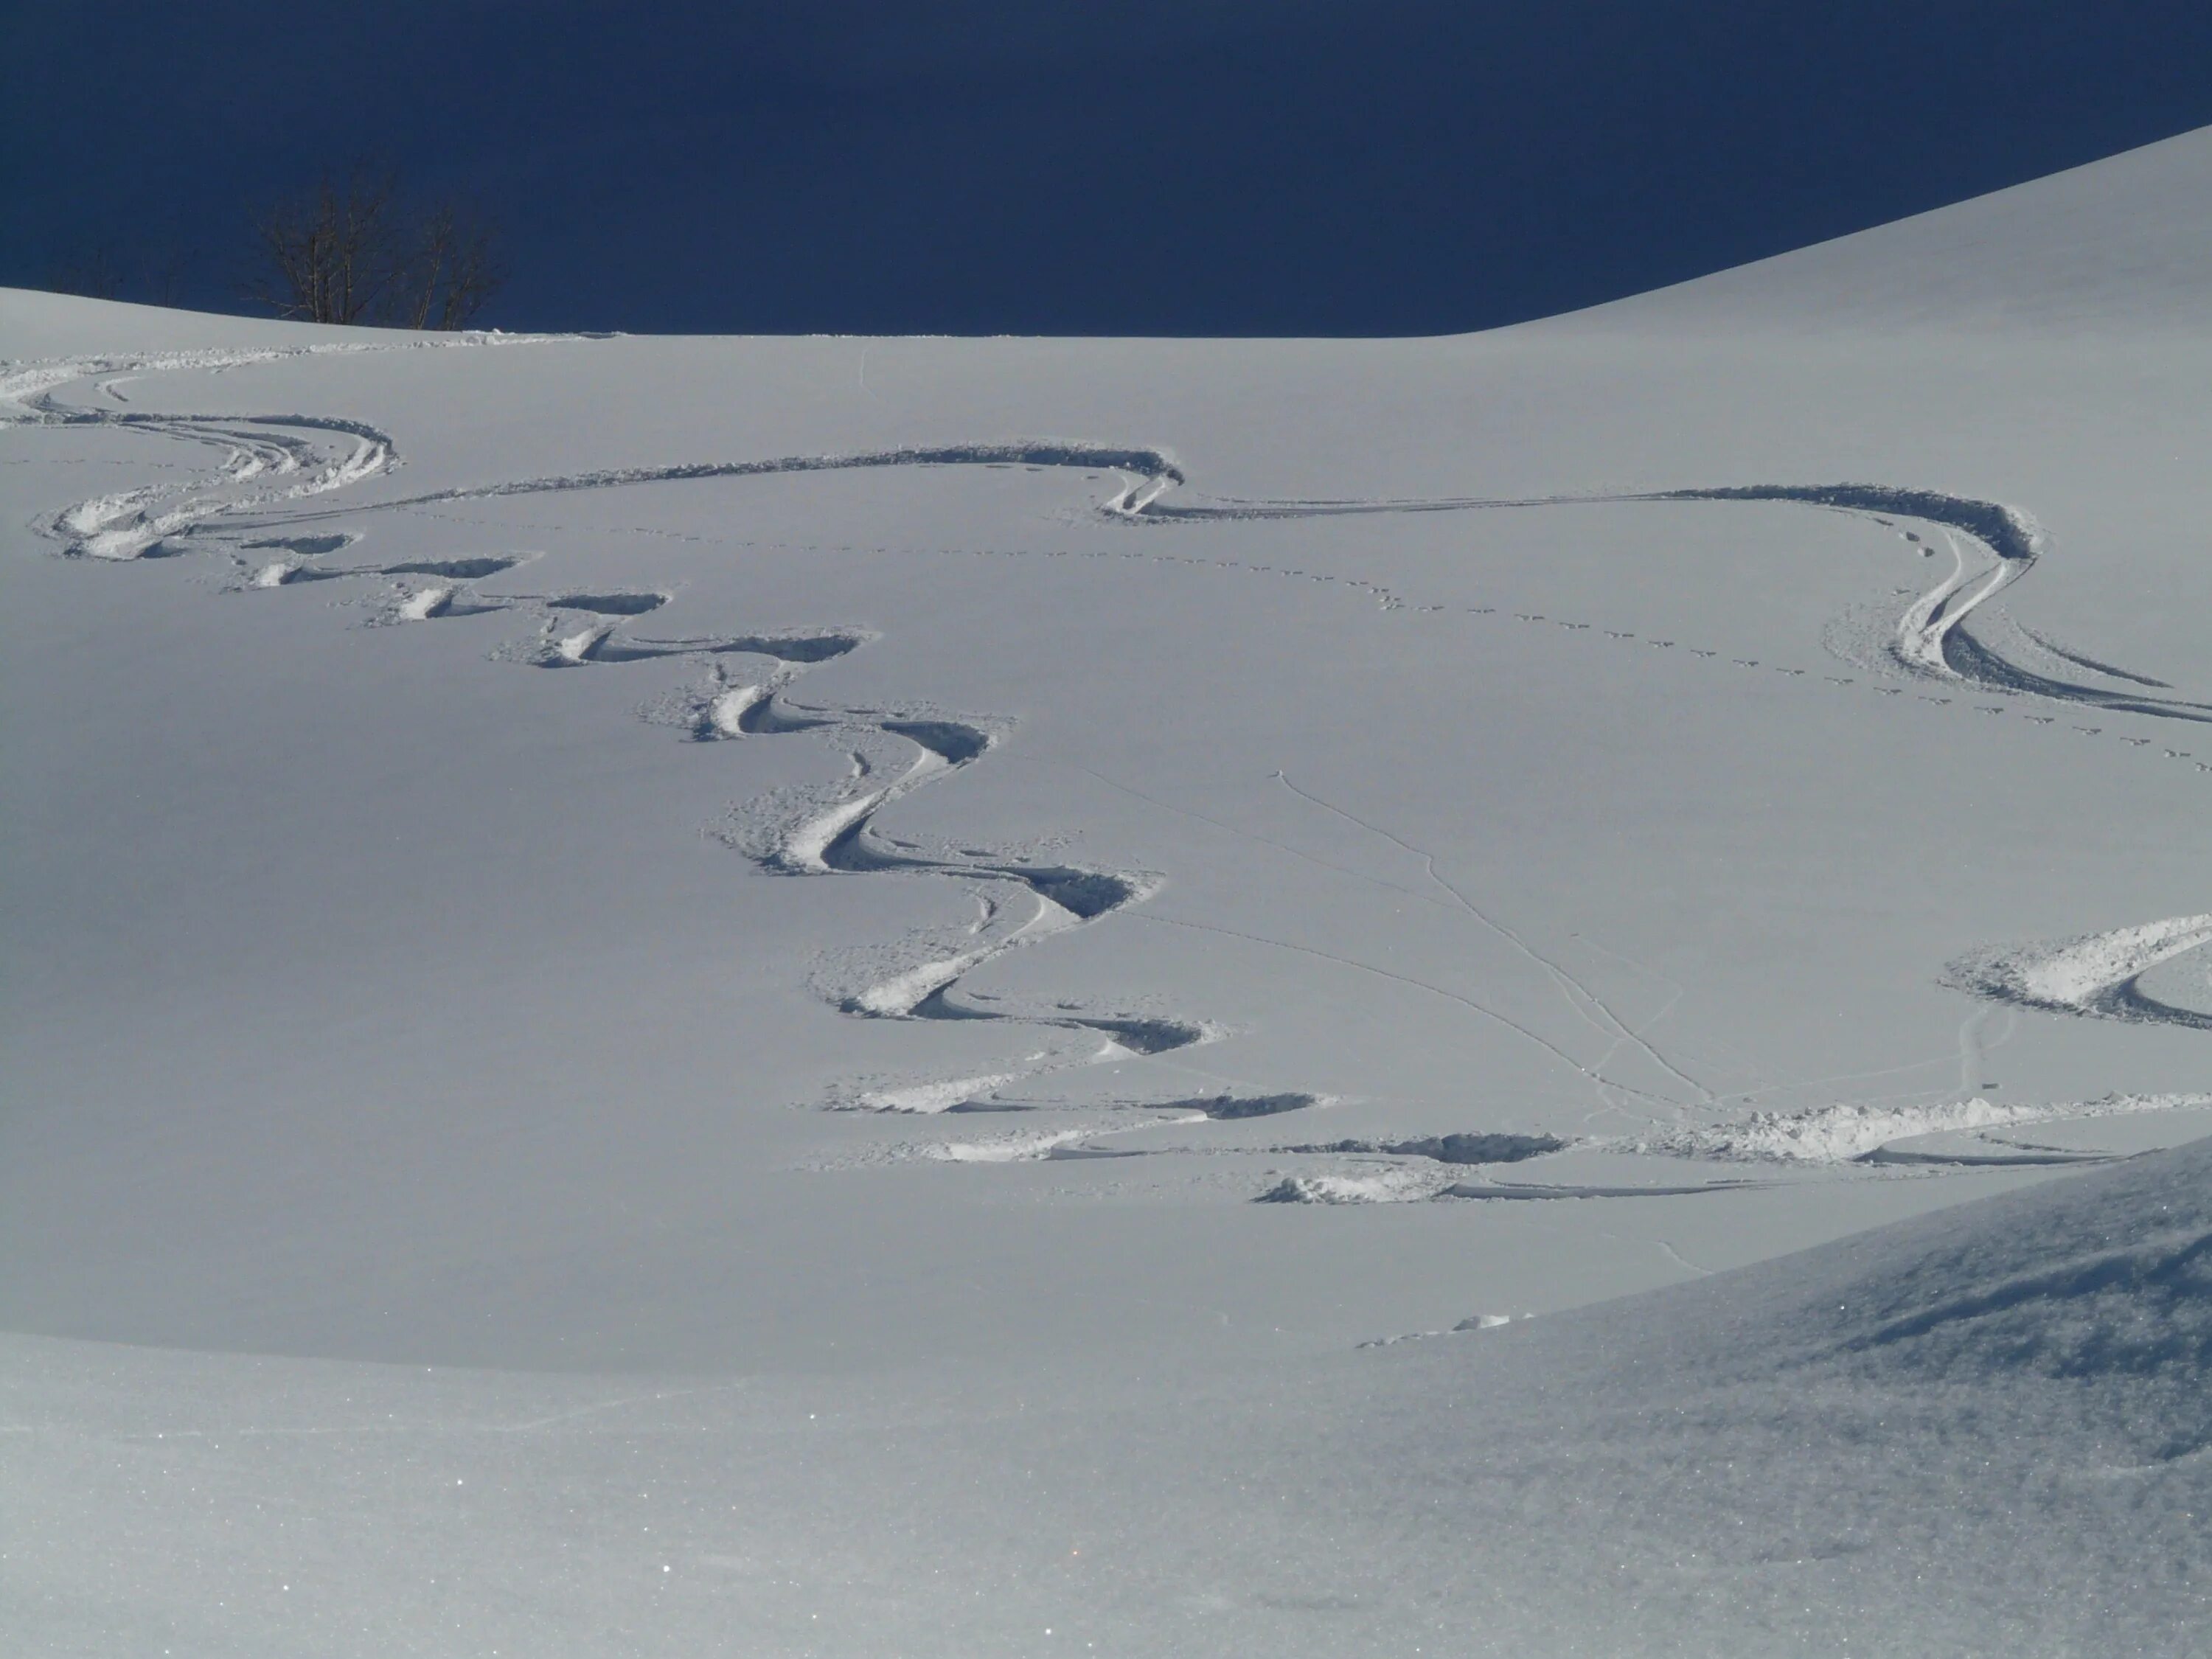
(1252, 166)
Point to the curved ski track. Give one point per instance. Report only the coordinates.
(1992, 545)
(2099, 975)
(271, 461)
(1020, 901)
(275, 463)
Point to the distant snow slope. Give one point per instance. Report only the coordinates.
(2110, 247)
(1026, 898)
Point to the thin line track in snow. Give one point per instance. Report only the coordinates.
(1577, 994)
(1464, 1001)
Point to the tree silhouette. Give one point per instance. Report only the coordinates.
(350, 251)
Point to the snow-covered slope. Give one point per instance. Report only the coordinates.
(2116, 247)
(1981, 1431)
(753, 883)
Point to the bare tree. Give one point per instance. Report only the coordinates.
(95, 272)
(164, 275)
(453, 271)
(334, 253)
(350, 252)
(98, 271)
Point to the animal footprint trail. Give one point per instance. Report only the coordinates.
(1992, 545)
(1143, 474)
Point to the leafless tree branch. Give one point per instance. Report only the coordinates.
(455, 269)
(348, 252)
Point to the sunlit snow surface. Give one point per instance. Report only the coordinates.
(837, 996)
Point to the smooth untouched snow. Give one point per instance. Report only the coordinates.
(1077, 934)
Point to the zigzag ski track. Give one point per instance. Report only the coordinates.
(276, 471)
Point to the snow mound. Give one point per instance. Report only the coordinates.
(2094, 973)
(1386, 1186)
(2109, 1275)
(1843, 1133)
(2004, 1403)
(2100, 1281)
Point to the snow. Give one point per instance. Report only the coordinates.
(1850, 1132)
(493, 1164)
(2098, 974)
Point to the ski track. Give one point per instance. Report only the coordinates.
(2096, 974)
(1992, 546)
(1852, 1133)
(273, 466)
(1024, 901)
